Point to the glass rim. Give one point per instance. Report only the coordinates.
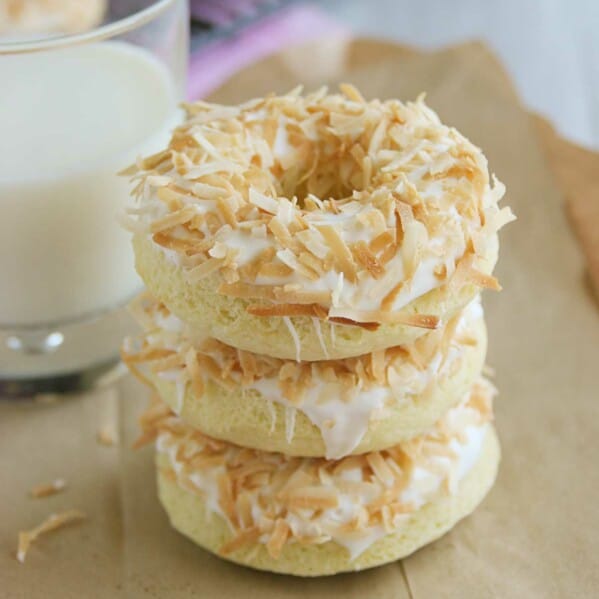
(109, 30)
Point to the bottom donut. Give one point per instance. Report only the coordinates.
(315, 517)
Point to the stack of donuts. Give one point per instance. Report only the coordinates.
(312, 328)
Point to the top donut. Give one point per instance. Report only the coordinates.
(318, 226)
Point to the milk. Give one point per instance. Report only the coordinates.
(69, 120)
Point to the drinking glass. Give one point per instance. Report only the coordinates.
(74, 111)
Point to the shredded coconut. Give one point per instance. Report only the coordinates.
(47, 489)
(52, 522)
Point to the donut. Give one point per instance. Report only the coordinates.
(31, 17)
(315, 227)
(330, 408)
(312, 516)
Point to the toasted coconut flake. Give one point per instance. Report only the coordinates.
(171, 197)
(369, 326)
(144, 439)
(281, 232)
(47, 489)
(244, 509)
(265, 203)
(389, 299)
(153, 161)
(390, 251)
(368, 260)
(278, 538)
(169, 363)
(377, 364)
(203, 270)
(195, 373)
(380, 468)
(208, 192)
(315, 498)
(466, 272)
(51, 523)
(483, 280)
(488, 371)
(352, 93)
(107, 436)
(148, 354)
(378, 136)
(344, 257)
(290, 259)
(227, 212)
(313, 242)
(425, 321)
(155, 414)
(225, 496)
(406, 216)
(249, 366)
(274, 270)
(244, 537)
(381, 242)
(313, 263)
(440, 272)
(173, 219)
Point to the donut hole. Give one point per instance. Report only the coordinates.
(325, 165)
(322, 174)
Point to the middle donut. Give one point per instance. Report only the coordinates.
(330, 408)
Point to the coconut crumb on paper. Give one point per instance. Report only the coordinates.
(47, 489)
(51, 523)
(107, 436)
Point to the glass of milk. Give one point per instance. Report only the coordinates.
(76, 109)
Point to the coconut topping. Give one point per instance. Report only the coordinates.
(325, 205)
(340, 397)
(47, 489)
(273, 499)
(52, 522)
(107, 436)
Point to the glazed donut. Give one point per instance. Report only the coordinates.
(23, 18)
(311, 516)
(316, 227)
(328, 408)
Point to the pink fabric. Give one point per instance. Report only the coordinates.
(211, 66)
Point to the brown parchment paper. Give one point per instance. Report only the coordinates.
(536, 533)
(577, 173)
